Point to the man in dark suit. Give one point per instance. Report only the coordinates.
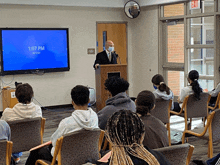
(107, 56)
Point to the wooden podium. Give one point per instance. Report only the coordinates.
(101, 74)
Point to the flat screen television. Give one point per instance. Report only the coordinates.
(34, 50)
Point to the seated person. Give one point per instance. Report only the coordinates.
(22, 110)
(5, 134)
(161, 89)
(214, 95)
(25, 108)
(155, 131)
(120, 100)
(125, 132)
(81, 118)
(192, 88)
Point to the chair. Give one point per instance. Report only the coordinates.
(212, 135)
(192, 108)
(177, 154)
(103, 142)
(26, 133)
(217, 103)
(75, 148)
(162, 112)
(5, 152)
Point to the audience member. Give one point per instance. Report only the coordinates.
(22, 110)
(214, 95)
(5, 134)
(125, 131)
(192, 88)
(82, 118)
(120, 100)
(155, 131)
(161, 89)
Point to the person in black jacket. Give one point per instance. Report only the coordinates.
(107, 56)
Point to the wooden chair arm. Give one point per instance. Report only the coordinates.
(183, 105)
(41, 162)
(191, 148)
(9, 152)
(43, 120)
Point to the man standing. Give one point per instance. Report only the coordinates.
(107, 56)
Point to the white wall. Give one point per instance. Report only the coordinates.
(144, 49)
(54, 88)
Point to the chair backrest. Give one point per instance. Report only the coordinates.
(177, 154)
(216, 126)
(197, 108)
(5, 152)
(25, 134)
(79, 146)
(162, 110)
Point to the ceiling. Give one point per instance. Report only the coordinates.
(87, 3)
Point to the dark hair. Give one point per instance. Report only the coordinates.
(194, 77)
(145, 102)
(159, 80)
(116, 85)
(80, 95)
(24, 93)
(125, 127)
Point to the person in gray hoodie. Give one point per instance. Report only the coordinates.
(161, 89)
(120, 100)
(81, 118)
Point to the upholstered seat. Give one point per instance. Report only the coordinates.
(26, 133)
(162, 112)
(177, 154)
(76, 148)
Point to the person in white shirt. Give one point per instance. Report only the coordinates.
(81, 118)
(192, 88)
(214, 94)
(161, 89)
(22, 110)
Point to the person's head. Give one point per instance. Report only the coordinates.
(158, 82)
(145, 102)
(24, 93)
(109, 45)
(80, 95)
(116, 85)
(125, 132)
(193, 78)
(125, 128)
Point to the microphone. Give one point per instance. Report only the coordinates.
(117, 56)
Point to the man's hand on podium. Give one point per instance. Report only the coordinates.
(96, 66)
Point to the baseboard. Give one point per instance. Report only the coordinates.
(57, 106)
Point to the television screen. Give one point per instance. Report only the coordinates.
(33, 50)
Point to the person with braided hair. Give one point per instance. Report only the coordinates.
(192, 88)
(155, 131)
(125, 132)
(161, 89)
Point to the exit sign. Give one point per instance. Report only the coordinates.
(195, 4)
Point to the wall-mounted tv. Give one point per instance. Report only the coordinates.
(34, 50)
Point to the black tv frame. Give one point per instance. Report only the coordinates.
(33, 71)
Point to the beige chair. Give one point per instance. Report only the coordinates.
(162, 112)
(217, 103)
(177, 154)
(75, 148)
(212, 135)
(5, 152)
(193, 108)
(26, 133)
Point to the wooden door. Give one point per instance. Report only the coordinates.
(117, 33)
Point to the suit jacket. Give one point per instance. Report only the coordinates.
(102, 58)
